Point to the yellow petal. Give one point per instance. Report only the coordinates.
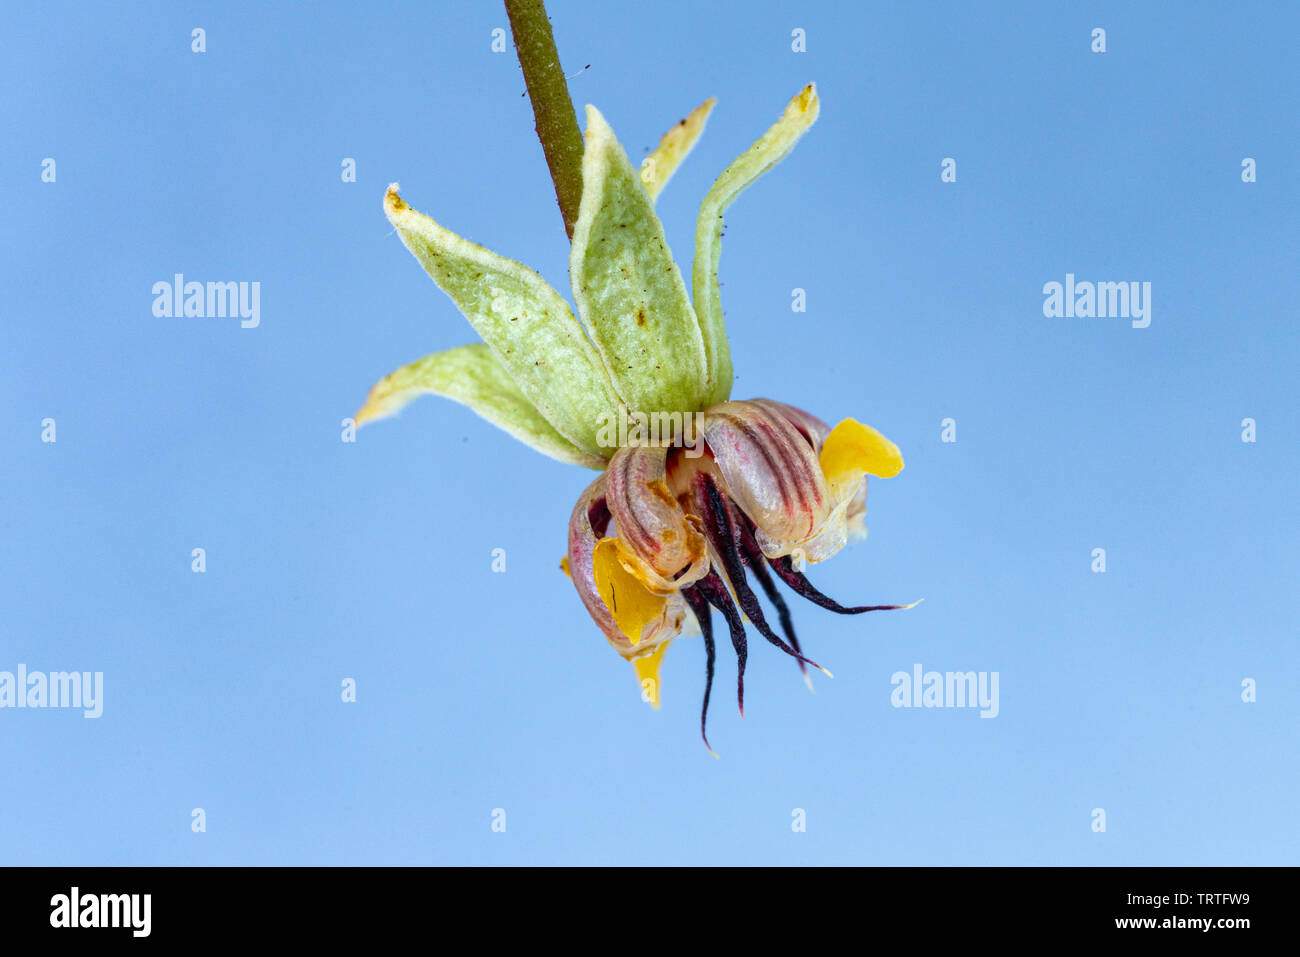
(647, 670)
(632, 604)
(853, 450)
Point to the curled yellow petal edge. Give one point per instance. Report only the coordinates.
(630, 602)
(853, 450)
(647, 670)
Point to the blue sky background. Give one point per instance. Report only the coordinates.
(372, 560)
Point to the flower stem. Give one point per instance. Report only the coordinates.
(557, 123)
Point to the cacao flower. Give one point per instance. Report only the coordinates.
(678, 520)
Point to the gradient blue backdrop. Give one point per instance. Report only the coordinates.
(372, 560)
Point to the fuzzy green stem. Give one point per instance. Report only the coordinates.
(557, 123)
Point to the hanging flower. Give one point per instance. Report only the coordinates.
(671, 527)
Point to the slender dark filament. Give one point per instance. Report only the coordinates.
(757, 563)
(733, 541)
(700, 606)
(800, 584)
(723, 538)
(715, 592)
